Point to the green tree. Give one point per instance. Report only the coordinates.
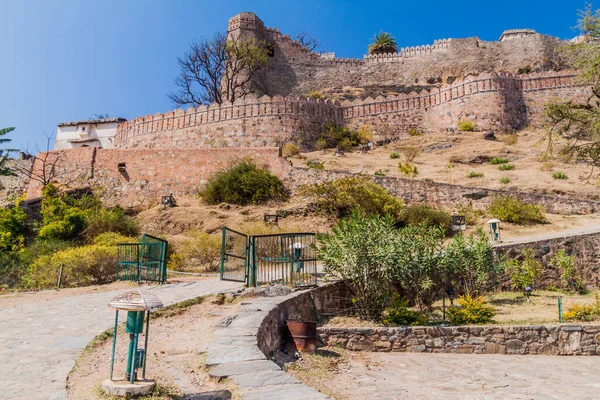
(383, 43)
(5, 171)
(579, 122)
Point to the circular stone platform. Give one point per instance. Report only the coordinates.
(122, 388)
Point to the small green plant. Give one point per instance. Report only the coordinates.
(243, 183)
(506, 167)
(510, 139)
(559, 175)
(565, 266)
(379, 172)
(466, 125)
(524, 70)
(315, 95)
(474, 174)
(290, 150)
(498, 160)
(398, 314)
(505, 180)
(413, 132)
(470, 310)
(583, 312)
(524, 273)
(408, 169)
(315, 164)
(394, 154)
(547, 166)
(512, 209)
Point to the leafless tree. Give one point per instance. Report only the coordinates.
(51, 166)
(309, 42)
(217, 70)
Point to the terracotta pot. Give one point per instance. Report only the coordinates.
(303, 335)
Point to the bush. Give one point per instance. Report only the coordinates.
(82, 266)
(12, 269)
(471, 310)
(200, 253)
(474, 174)
(111, 220)
(565, 266)
(559, 175)
(243, 183)
(506, 167)
(113, 239)
(413, 132)
(358, 251)
(498, 160)
(423, 214)
(581, 312)
(512, 209)
(290, 150)
(408, 169)
(339, 136)
(379, 172)
(12, 228)
(345, 145)
(365, 134)
(341, 196)
(398, 314)
(510, 139)
(68, 227)
(394, 155)
(525, 273)
(315, 164)
(466, 126)
(410, 153)
(315, 94)
(505, 180)
(471, 214)
(321, 144)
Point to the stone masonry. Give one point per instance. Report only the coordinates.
(549, 340)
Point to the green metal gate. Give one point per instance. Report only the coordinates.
(234, 256)
(143, 261)
(288, 258)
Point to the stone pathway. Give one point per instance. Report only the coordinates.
(40, 340)
(234, 354)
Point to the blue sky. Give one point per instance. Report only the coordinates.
(65, 60)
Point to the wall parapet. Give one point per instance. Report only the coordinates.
(406, 52)
(548, 340)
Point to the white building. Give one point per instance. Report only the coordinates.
(91, 133)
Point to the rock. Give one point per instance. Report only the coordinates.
(494, 348)
(489, 136)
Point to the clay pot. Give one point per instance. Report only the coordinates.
(303, 336)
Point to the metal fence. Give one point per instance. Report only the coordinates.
(288, 258)
(143, 261)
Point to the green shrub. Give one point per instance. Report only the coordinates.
(471, 214)
(394, 154)
(408, 169)
(506, 167)
(505, 180)
(113, 239)
(243, 183)
(559, 175)
(339, 136)
(413, 132)
(315, 164)
(321, 144)
(471, 310)
(111, 220)
(315, 94)
(512, 209)
(581, 312)
(466, 126)
(474, 174)
(345, 145)
(524, 273)
(398, 314)
(200, 253)
(290, 150)
(379, 172)
(12, 228)
(12, 269)
(365, 134)
(424, 214)
(565, 266)
(341, 196)
(498, 160)
(82, 266)
(69, 227)
(358, 251)
(410, 153)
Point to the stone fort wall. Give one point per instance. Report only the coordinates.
(495, 101)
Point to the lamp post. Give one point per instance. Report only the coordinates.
(138, 305)
(494, 229)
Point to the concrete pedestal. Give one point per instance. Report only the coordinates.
(122, 388)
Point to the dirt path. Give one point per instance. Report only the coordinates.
(41, 336)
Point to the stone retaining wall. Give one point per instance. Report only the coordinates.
(549, 340)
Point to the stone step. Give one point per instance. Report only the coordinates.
(284, 392)
(226, 370)
(232, 354)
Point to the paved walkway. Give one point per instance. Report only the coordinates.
(586, 230)
(40, 340)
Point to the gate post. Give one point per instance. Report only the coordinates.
(223, 233)
(251, 281)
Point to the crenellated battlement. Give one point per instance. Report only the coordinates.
(413, 51)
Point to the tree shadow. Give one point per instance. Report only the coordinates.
(515, 301)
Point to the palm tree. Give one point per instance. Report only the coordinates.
(4, 153)
(383, 43)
